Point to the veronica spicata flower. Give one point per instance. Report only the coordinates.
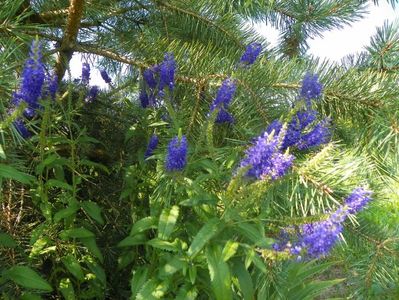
(105, 76)
(264, 158)
(32, 81)
(93, 92)
(311, 88)
(222, 101)
(318, 238)
(176, 157)
(251, 53)
(358, 199)
(167, 72)
(85, 73)
(152, 145)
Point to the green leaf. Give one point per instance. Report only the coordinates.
(93, 210)
(89, 163)
(7, 241)
(59, 184)
(156, 124)
(312, 289)
(66, 212)
(171, 267)
(98, 271)
(244, 280)
(143, 224)
(229, 250)
(138, 239)
(91, 245)
(126, 259)
(9, 172)
(219, 273)
(167, 222)
(138, 280)
(164, 245)
(27, 278)
(29, 296)
(66, 289)
(51, 161)
(76, 233)
(208, 231)
(252, 233)
(73, 266)
(298, 272)
(40, 247)
(186, 294)
(199, 200)
(2, 153)
(152, 290)
(192, 273)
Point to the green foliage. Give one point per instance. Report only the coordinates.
(83, 215)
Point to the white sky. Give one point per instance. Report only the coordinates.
(334, 44)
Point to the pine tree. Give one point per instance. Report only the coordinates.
(213, 167)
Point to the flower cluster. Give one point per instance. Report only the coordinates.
(176, 157)
(317, 239)
(85, 73)
(85, 79)
(303, 131)
(35, 84)
(320, 134)
(357, 200)
(156, 78)
(167, 72)
(105, 76)
(251, 54)
(93, 93)
(264, 158)
(152, 145)
(222, 101)
(33, 78)
(311, 88)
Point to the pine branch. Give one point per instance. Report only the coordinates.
(169, 6)
(75, 13)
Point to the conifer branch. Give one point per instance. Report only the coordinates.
(200, 91)
(202, 19)
(258, 103)
(75, 14)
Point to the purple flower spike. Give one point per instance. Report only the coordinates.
(319, 241)
(311, 88)
(149, 77)
(85, 73)
(105, 76)
(224, 116)
(167, 72)
(319, 135)
(21, 128)
(152, 145)
(32, 80)
(94, 90)
(276, 126)
(224, 94)
(358, 199)
(318, 238)
(144, 100)
(265, 159)
(251, 54)
(305, 118)
(176, 157)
